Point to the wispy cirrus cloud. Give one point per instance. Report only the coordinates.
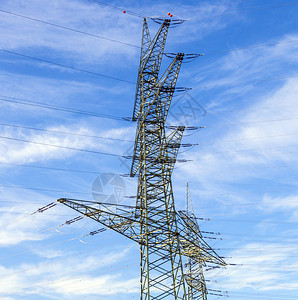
(41, 145)
(87, 17)
(68, 276)
(256, 267)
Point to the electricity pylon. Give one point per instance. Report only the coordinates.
(166, 237)
(194, 273)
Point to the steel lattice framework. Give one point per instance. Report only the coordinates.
(169, 240)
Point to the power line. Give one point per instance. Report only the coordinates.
(64, 132)
(210, 86)
(264, 121)
(124, 80)
(67, 28)
(66, 66)
(209, 219)
(83, 150)
(41, 189)
(263, 137)
(117, 8)
(60, 108)
(52, 190)
(255, 8)
(60, 169)
(46, 246)
(124, 140)
(63, 147)
(66, 109)
(131, 45)
(252, 149)
(251, 47)
(250, 221)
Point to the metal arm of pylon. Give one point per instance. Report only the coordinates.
(192, 231)
(154, 107)
(122, 221)
(150, 61)
(125, 221)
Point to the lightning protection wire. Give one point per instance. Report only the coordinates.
(131, 45)
(129, 12)
(249, 8)
(67, 28)
(254, 8)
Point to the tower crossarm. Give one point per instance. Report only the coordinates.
(125, 221)
(173, 143)
(190, 221)
(191, 231)
(197, 286)
(158, 100)
(154, 107)
(150, 61)
(122, 221)
(160, 163)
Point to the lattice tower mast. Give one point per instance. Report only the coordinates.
(194, 273)
(154, 158)
(164, 235)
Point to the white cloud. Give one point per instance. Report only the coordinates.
(204, 18)
(261, 266)
(67, 276)
(276, 204)
(260, 135)
(23, 34)
(13, 151)
(17, 225)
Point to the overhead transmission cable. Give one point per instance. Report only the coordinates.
(60, 169)
(132, 45)
(60, 108)
(79, 149)
(66, 66)
(65, 132)
(43, 189)
(129, 12)
(65, 109)
(120, 79)
(254, 8)
(68, 28)
(62, 147)
(251, 8)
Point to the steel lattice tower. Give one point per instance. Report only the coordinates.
(167, 237)
(194, 273)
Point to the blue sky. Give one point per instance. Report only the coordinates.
(242, 175)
